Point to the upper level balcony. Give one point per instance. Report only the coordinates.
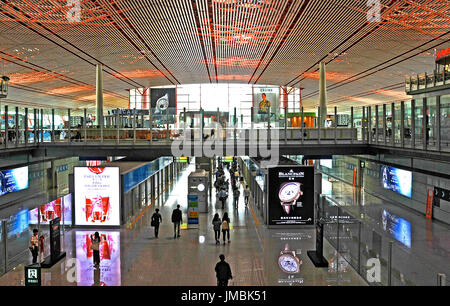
(427, 82)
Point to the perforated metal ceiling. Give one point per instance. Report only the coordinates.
(143, 43)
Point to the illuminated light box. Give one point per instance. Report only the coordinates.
(97, 196)
(13, 180)
(110, 274)
(397, 180)
(53, 210)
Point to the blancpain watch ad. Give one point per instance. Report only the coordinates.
(291, 195)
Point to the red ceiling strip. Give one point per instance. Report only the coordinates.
(355, 77)
(390, 5)
(124, 18)
(213, 38)
(200, 35)
(277, 29)
(285, 37)
(61, 46)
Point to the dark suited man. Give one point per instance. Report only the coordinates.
(177, 219)
(223, 272)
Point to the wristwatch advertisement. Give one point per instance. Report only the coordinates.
(291, 195)
(288, 261)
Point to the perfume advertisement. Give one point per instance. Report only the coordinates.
(291, 195)
(60, 208)
(97, 196)
(13, 180)
(110, 274)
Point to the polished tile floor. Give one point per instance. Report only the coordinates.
(132, 256)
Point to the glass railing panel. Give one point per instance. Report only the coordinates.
(445, 123)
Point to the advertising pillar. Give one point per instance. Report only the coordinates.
(193, 211)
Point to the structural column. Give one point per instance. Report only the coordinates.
(99, 93)
(322, 95)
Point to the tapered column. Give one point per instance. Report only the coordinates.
(323, 95)
(99, 92)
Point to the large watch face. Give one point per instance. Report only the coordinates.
(163, 103)
(288, 263)
(289, 192)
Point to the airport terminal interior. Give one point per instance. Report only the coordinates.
(307, 141)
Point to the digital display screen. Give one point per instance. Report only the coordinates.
(110, 274)
(291, 195)
(54, 210)
(13, 180)
(18, 223)
(397, 180)
(398, 227)
(97, 196)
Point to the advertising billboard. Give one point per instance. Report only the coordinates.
(13, 180)
(397, 180)
(54, 210)
(18, 223)
(398, 227)
(97, 196)
(163, 100)
(109, 259)
(291, 195)
(266, 100)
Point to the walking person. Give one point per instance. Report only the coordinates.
(216, 226)
(156, 220)
(95, 246)
(177, 218)
(34, 245)
(246, 195)
(226, 227)
(223, 272)
(223, 197)
(236, 194)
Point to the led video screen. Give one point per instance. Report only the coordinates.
(397, 180)
(54, 210)
(13, 180)
(97, 196)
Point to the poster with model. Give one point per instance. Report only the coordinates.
(97, 196)
(266, 102)
(54, 210)
(291, 195)
(163, 100)
(109, 259)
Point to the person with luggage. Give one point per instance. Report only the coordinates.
(226, 227)
(156, 220)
